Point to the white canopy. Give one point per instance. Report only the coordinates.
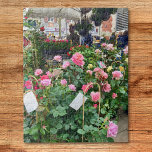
(68, 13)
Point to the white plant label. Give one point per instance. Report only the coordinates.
(78, 101)
(30, 102)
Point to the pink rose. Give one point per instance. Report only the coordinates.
(66, 64)
(112, 129)
(106, 87)
(63, 82)
(28, 84)
(49, 74)
(117, 75)
(72, 87)
(96, 69)
(58, 58)
(67, 41)
(44, 77)
(86, 87)
(90, 72)
(45, 82)
(95, 105)
(97, 51)
(109, 47)
(100, 74)
(126, 50)
(38, 72)
(95, 96)
(104, 75)
(104, 44)
(78, 58)
(114, 95)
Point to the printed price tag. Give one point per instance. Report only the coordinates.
(78, 101)
(30, 102)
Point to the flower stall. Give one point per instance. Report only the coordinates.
(78, 99)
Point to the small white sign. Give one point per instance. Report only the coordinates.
(30, 102)
(78, 101)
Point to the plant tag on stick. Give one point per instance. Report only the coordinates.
(78, 101)
(30, 102)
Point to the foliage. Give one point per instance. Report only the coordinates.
(56, 121)
(101, 14)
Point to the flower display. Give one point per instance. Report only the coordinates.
(117, 75)
(110, 47)
(49, 74)
(72, 87)
(86, 87)
(47, 40)
(28, 84)
(63, 82)
(38, 72)
(114, 95)
(90, 72)
(95, 96)
(45, 82)
(106, 87)
(58, 58)
(112, 130)
(44, 77)
(97, 51)
(103, 44)
(66, 64)
(78, 58)
(95, 105)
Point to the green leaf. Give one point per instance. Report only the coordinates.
(86, 128)
(42, 131)
(112, 83)
(121, 90)
(81, 131)
(33, 130)
(55, 113)
(53, 130)
(104, 131)
(59, 126)
(67, 127)
(110, 139)
(65, 136)
(103, 111)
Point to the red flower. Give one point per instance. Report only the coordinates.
(71, 48)
(68, 54)
(87, 46)
(26, 17)
(44, 77)
(42, 28)
(47, 40)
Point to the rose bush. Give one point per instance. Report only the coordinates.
(99, 75)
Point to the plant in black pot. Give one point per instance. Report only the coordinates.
(84, 27)
(74, 37)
